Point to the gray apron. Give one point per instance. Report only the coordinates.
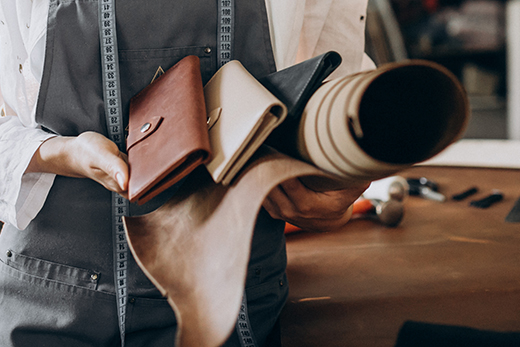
(56, 276)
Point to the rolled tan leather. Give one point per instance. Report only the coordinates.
(375, 123)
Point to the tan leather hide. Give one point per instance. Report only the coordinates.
(196, 247)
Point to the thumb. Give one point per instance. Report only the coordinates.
(120, 167)
(113, 170)
(121, 181)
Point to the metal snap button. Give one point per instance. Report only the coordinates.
(207, 50)
(94, 277)
(9, 253)
(145, 127)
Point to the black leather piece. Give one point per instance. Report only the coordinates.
(436, 335)
(294, 86)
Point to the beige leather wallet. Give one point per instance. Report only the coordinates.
(241, 114)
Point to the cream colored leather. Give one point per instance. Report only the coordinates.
(247, 113)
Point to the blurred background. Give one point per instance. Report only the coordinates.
(478, 40)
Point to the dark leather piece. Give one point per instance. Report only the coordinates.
(294, 86)
(414, 334)
(168, 137)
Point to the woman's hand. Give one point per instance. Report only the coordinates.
(293, 202)
(89, 155)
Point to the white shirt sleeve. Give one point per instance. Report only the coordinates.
(21, 195)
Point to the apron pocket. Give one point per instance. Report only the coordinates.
(269, 295)
(139, 67)
(51, 271)
(264, 304)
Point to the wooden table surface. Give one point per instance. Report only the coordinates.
(446, 263)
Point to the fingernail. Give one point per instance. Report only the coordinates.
(120, 180)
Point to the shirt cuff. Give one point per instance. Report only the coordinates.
(23, 193)
(33, 192)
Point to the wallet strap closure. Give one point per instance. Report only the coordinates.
(140, 133)
(213, 117)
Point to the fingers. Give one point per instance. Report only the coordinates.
(282, 203)
(293, 202)
(103, 162)
(111, 171)
(89, 155)
(312, 204)
(276, 202)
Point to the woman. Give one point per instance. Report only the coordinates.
(58, 166)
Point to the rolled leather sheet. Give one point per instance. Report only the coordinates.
(375, 123)
(196, 247)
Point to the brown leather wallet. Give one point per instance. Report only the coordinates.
(168, 135)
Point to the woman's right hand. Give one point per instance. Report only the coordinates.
(89, 155)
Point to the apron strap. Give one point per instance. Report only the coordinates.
(245, 333)
(226, 32)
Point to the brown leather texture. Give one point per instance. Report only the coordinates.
(168, 136)
(196, 247)
(446, 263)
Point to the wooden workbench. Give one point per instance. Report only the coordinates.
(446, 263)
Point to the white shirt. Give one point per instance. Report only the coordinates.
(300, 29)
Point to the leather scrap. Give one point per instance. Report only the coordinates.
(514, 215)
(196, 247)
